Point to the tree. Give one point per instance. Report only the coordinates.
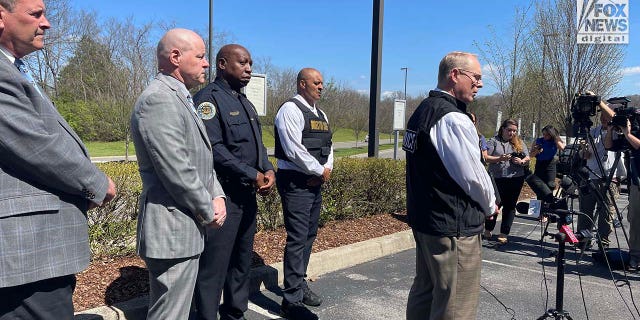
(574, 67)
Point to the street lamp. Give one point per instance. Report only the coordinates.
(405, 81)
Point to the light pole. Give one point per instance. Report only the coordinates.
(212, 63)
(405, 81)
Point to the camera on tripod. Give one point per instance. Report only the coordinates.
(583, 107)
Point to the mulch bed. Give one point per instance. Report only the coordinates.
(119, 279)
(114, 280)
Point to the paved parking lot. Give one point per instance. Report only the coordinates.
(513, 283)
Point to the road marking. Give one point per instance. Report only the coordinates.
(549, 274)
(262, 311)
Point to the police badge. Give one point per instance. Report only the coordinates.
(206, 110)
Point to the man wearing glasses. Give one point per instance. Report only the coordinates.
(448, 196)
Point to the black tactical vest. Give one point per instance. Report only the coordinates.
(316, 135)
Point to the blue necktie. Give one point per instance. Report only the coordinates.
(27, 74)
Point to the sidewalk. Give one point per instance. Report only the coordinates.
(271, 276)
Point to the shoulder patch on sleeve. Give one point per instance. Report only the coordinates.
(410, 141)
(206, 110)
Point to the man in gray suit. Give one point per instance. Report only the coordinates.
(181, 195)
(47, 182)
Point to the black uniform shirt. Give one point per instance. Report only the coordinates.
(234, 130)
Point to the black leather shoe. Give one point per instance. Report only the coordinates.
(309, 297)
(296, 311)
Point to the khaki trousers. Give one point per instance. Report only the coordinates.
(447, 282)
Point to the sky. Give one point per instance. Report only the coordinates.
(334, 36)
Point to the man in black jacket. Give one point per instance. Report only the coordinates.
(241, 162)
(448, 195)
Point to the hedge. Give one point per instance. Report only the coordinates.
(357, 188)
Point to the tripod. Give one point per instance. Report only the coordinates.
(595, 178)
(564, 234)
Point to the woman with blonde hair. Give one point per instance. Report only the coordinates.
(508, 163)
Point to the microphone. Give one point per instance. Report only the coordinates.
(522, 207)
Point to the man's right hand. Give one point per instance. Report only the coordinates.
(111, 193)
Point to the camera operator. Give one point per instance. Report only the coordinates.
(634, 191)
(588, 198)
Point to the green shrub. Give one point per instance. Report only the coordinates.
(357, 188)
(112, 228)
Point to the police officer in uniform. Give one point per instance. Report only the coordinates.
(241, 162)
(305, 160)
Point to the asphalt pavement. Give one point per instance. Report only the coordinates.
(513, 283)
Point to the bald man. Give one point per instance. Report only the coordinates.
(241, 161)
(305, 160)
(181, 196)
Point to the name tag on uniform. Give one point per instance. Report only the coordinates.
(410, 141)
(319, 125)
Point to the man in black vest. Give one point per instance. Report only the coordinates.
(241, 162)
(448, 195)
(305, 160)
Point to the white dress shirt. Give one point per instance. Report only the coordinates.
(290, 123)
(456, 141)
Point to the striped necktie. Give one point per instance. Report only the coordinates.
(193, 107)
(27, 74)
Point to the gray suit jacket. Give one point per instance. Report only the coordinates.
(176, 165)
(46, 183)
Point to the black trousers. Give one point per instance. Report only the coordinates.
(225, 263)
(509, 189)
(301, 206)
(40, 300)
(546, 171)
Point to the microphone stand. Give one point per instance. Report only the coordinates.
(563, 235)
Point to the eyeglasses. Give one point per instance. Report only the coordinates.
(476, 79)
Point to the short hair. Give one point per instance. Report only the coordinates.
(452, 60)
(8, 4)
(304, 74)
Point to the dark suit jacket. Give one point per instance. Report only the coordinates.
(46, 183)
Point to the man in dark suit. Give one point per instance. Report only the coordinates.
(241, 162)
(47, 181)
(181, 196)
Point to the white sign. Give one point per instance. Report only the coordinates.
(603, 21)
(399, 107)
(256, 92)
(534, 208)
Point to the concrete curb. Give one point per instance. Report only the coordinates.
(271, 276)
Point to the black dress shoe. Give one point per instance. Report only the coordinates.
(310, 298)
(296, 311)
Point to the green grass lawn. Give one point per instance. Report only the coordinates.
(117, 148)
(345, 152)
(105, 149)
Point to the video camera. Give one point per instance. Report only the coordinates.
(622, 114)
(583, 107)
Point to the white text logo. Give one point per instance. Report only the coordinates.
(603, 21)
